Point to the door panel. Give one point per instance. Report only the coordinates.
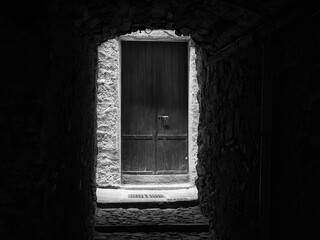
(173, 97)
(172, 155)
(154, 107)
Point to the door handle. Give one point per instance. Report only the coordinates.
(163, 118)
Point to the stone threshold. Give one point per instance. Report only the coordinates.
(163, 196)
(156, 186)
(154, 179)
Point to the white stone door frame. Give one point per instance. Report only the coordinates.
(108, 172)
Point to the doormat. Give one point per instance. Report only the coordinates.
(146, 196)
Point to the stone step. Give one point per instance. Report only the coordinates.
(132, 216)
(175, 203)
(153, 236)
(151, 223)
(146, 228)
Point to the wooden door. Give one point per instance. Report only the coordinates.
(154, 111)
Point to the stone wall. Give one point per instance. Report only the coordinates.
(108, 173)
(230, 133)
(23, 167)
(47, 123)
(70, 130)
(229, 143)
(295, 168)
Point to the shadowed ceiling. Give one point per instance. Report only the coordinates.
(211, 23)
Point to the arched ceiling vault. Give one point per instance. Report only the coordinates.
(211, 23)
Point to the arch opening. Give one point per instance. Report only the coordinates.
(110, 172)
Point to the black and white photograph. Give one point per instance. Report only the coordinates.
(159, 120)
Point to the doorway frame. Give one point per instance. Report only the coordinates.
(108, 172)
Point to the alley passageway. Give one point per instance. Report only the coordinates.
(258, 134)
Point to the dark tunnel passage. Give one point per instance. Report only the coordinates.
(258, 136)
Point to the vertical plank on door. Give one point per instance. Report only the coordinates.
(183, 106)
(175, 154)
(168, 155)
(160, 155)
(125, 108)
(159, 69)
(150, 155)
(182, 147)
(176, 94)
(134, 121)
(183, 88)
(140, 155)
(150, 109)
(140, 103)
(125, 156)
(168, 104)
(125, 88)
